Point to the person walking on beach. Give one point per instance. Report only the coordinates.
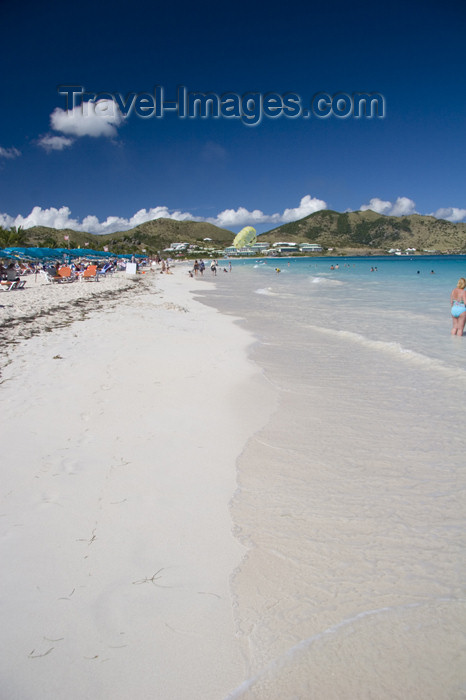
(458, 307)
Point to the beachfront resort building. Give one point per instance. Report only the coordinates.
(282, 247)
(285, 247)
(255, 249)
(176, 248)
(310, 248)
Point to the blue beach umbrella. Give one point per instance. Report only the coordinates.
(36, 254)
(47, 254)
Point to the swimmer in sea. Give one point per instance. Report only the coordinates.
(458, 307)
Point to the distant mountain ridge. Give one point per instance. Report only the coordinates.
(153, 235)
(367, 229)
(364, 231)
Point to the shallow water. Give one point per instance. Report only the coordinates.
(351, 500)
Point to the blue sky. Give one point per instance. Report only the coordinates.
(106, 173)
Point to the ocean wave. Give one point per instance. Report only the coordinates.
(283, 661)
(267, 291)
(326, 281)
(395, 349)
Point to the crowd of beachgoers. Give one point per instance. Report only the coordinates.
(46, 294)
(18, 272)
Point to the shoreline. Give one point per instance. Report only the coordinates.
(345, 495)
(116, 530)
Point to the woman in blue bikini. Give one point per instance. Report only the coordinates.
(458, 307)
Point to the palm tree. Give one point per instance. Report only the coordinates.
(13, 236)
(49, 242)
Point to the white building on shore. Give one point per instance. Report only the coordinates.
(310, 248)
(282, 247)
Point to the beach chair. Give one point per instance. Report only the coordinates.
(107, 269)
(49, 277)
(65, 274)
(8, 285)
(90, 273)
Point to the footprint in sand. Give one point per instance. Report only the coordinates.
(50, 499)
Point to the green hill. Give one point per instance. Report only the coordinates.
(358, 232)
(372, 231)
(153, 235)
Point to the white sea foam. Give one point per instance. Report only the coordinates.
(305, 644)
(326, 281)
(395, 350)
(267, 291)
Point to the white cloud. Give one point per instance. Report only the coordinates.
(308, 205)
(55, 218)
(90, 119)
(61, 218)
(54, 143)
(241, 216)
(453, 214)
(117, 223)
(402, 207)
(228, 218)
(9, 152)
(6, 221)
(377, 205)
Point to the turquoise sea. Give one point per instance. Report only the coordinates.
(351, 498)
(404, 302)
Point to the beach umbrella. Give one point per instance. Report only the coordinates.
(247, 236)
(36, 254)
(129, 256)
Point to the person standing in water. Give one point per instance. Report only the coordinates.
(458, 307)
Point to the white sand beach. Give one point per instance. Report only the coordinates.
(177, 523)
(120, 432)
